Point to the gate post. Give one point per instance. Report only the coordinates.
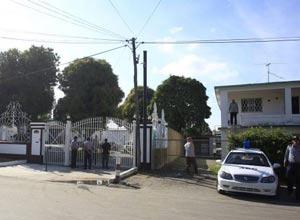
(35, 150)
(134, 144)
(68, 138)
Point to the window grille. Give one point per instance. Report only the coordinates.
(251, 105)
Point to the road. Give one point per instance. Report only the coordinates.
(158, 198)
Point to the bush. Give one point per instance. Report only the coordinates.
(272, 142)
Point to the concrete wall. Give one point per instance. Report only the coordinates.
(163, 156)
(12, 149)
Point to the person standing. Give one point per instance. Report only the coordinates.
(233, 110)
(292, 163)
(105, 153)
(74, 148)
(88, 151)
(190, 155)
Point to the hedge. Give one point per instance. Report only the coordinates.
(272, 142)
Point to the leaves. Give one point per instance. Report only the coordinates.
(91, 89)
(29, 77)
(185, 103)
(127, 109)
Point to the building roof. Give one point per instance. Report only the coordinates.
(270, 84)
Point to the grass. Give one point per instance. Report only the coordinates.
(214, 168)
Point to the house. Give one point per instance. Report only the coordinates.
(274, 104)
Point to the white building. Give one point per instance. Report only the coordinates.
(273, 104)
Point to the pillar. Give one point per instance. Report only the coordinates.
(35, 149)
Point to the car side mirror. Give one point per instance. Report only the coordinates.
(276, 165)
(219, 161)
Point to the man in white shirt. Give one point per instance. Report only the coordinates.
(190, 155)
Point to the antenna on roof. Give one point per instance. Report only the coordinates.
(269, 72)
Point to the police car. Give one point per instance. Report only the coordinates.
(248, 171)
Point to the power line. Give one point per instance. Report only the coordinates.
(56, 42)
(54, 16)
(118, 12)
(60, 35)
(227, 41)
(62, 64)
(149, 18)
(60, 18)
(71, 16)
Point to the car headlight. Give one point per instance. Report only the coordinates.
(226, 176)
(268, 179)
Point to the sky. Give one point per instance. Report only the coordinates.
(211, 64)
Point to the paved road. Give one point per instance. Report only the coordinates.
(158, 198)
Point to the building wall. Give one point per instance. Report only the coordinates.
(272, 100)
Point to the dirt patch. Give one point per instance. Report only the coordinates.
(171, 180)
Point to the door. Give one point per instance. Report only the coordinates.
(295, 105)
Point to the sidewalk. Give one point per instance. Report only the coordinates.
(55, 173)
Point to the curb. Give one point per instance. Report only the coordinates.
(125, 174)
(13, 163)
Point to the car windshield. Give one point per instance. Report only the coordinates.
(253, 159)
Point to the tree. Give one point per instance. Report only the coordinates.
(29, 77)
(184, 101)
(91, 89)
(127, 109)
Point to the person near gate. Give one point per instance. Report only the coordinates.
(105, 153)
(88, 151)
(292, 164)
(190, 155)
(74, 149)
(233, 110)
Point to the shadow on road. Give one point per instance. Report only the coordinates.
(283, 199)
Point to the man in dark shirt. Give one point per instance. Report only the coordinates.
(74, 148)
(292, 161)
(105, 154)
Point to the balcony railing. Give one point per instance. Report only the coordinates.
(254, 120)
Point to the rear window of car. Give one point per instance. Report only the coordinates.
(253, 159)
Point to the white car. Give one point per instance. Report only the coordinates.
(248, 171)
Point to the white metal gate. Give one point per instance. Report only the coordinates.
(119, 133)
(56, 146)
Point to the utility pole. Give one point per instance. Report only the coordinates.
(136, 99)
(145, 110)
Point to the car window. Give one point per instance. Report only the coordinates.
(253, 159)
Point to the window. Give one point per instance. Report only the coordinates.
(251, 105)
(252, 159)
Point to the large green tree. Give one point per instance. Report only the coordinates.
(185, 103)
(29, 77)
(127, 109)
(91, 89)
